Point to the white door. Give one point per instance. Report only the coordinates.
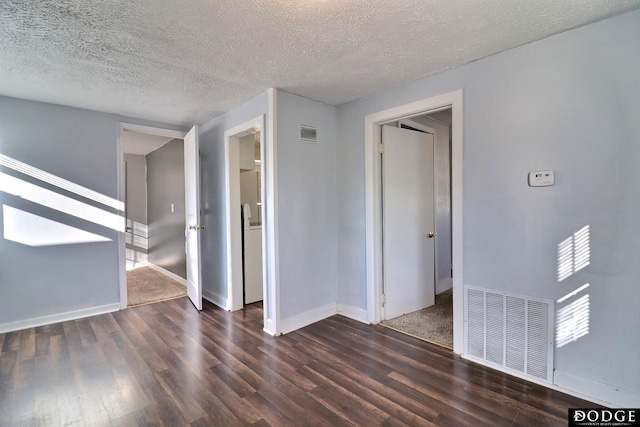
(192, 208)
(408, 220)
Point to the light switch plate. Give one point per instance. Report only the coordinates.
(541, 178)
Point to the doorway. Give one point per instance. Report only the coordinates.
(245, 216)
(373, 196)
(416, 212)
(156, 233)
(155, 218)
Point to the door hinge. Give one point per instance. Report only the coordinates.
(382, 299)
(380, 148)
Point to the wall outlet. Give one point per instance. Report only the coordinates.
(541, 178)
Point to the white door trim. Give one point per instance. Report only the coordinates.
(270, 236)
(149, 130)
(373, 244)
(232, 200)
(233, 234)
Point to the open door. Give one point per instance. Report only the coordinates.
(408, 221)
(192, 211)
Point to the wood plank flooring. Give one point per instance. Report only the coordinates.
(166, 364)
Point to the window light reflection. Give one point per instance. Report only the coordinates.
(573, 321)
(573, 253)
(33, 230)
(36, 194)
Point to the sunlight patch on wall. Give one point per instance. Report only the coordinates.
(137, 240)
(137, 234)
(36, 194)
(573, 319)
(135, 259)
(573, 253)
(33, 230)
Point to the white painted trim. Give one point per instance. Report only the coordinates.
(216, 299)
(233, 223)
(352, 312)
(122, 259)
(167, 273)
(596, 392)
(122, 245)
(269, 208)
(372, 201)
(270, 237)
(308, 317)
(59, 317)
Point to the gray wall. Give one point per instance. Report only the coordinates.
(569, 103)
(165, 186)
(79, 146)
(212, 208)
(136, 188)
(306, 206)
(137, 235)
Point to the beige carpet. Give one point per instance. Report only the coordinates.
(433, 324)
(145, 285)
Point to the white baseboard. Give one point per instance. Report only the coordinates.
(596, 392)
(270, 328)
(352, 312)
(216, 299)
(59, 317)
(308, 317)
(168, 273)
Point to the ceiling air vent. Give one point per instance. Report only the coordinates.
(308, 134)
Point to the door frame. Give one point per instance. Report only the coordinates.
(373, 217)
(233, 223)
(232, 201)
(149, 130)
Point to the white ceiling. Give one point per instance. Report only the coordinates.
(142, 144)
(189, 61)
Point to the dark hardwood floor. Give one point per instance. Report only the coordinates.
(166, 364)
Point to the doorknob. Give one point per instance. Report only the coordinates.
(431, 234)
(197, 227)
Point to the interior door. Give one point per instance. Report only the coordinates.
(408, 221)
(192, 208)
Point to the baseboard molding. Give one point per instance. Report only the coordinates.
(216, 299)
(167, 273)
(270, 328)
(596, 392)
(308, 317)
(352, 312)
(59, 317)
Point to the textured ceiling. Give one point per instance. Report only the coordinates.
(189, 61)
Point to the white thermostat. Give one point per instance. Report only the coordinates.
(541, 178)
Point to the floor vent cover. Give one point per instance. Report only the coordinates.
(509, 331)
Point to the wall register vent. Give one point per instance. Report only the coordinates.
(308, 134)
(509, 331)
